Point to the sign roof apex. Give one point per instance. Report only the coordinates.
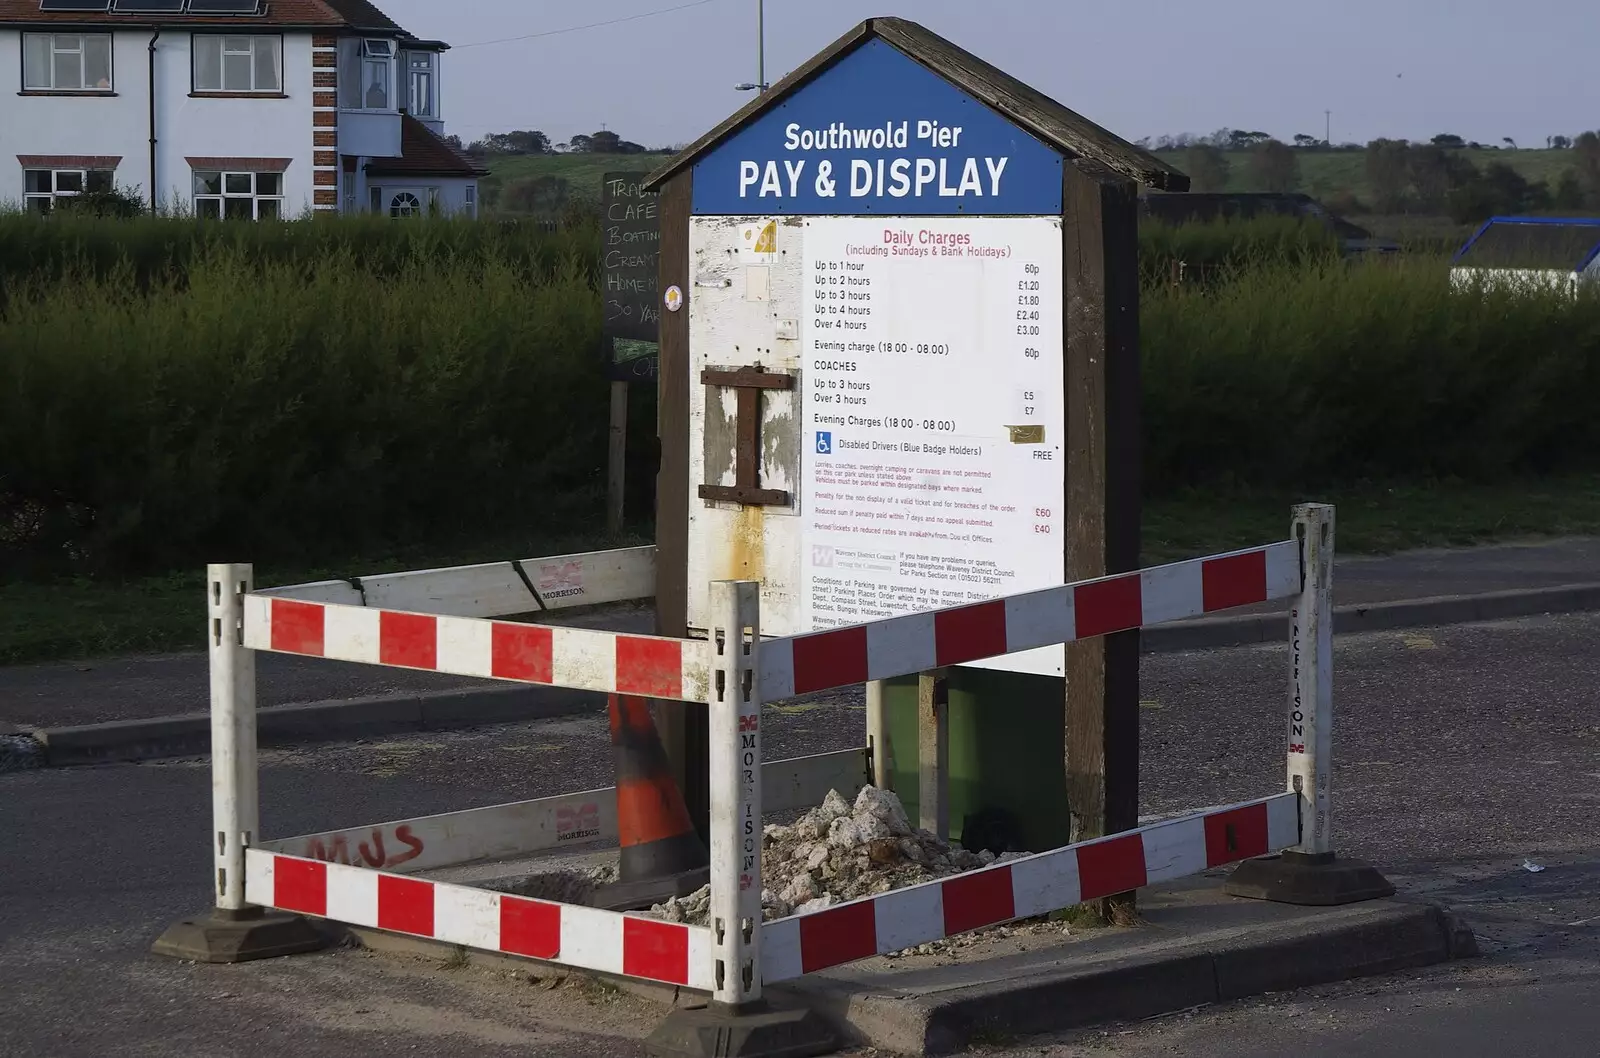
(1028, 108)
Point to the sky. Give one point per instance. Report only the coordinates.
(1482, 69)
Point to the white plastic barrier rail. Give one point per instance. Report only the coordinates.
(364, 876)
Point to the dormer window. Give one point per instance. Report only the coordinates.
(377, 74)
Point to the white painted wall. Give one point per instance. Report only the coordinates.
(452, 191)
(119, 125)
(1528, 279)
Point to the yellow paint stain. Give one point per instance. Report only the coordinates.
(1149, 703)
(1418, 643)
(747, 553)
(792, 708)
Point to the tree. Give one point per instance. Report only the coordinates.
(1449, 141)
(1587, 148)
(1560, 143)
(1388, 173)
(1274, 166)
(522, 141)
(455, 142)
(1435, 172)
(1238, 140)
(1304, 142)
(1568, 192)
(1208, 168)
(1509, 142)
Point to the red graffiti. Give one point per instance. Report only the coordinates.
(337, 849)
(578, 823)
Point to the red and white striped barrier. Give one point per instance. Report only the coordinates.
(585, 937)
(901, 646)
(553, 655)
(734, 672)
(1025, 887)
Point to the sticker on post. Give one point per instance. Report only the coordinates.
(673, 298)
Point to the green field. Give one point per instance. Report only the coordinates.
(1324, 174)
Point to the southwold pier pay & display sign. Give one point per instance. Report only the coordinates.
(875, 399)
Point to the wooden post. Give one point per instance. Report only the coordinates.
(617, 457)
(685, 728)
(878, 737)
(1101, 305)
(933, 752)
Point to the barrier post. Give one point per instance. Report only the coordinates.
(737, 1021)
(235, 791)
(734, 701)
(234, 931)
(1309, 872)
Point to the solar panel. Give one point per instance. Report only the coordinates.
(224, 7)
(74, 5)
(156, 6)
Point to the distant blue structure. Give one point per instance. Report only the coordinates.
(1562, 252)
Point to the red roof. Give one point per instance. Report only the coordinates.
(314, 14)
(424, 153)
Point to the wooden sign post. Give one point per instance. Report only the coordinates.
(941, 263)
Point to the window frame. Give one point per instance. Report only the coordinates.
(367, 56)
(223, 92)
(423, 65)
(222, 196)
(54, 194)
(82, 51)
(469, 199)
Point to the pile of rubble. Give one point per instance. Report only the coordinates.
(838, 852)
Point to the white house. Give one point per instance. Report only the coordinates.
(1555, 253)
(238, 108)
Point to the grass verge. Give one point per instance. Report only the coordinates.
(73, 619)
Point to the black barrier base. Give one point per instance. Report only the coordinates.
(752, 1031)
(647, 892)
(239, 936)
(1319, 880)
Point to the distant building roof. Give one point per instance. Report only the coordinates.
(1567, 244)
(1199, 207)
(424, 153)
(358, 15)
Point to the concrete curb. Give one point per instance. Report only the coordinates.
(440, 710)
(1209, 633)
(171, 736)
(1340, 944)
(1345, 943)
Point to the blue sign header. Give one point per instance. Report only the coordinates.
(878, 133)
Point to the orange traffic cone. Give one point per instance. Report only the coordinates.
(661, 855)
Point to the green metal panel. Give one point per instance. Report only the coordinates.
(1007, 753)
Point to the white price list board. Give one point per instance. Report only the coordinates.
(934, 417)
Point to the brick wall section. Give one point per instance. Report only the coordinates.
(325, 122)
(69, 161)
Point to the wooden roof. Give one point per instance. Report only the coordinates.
(1065, 130)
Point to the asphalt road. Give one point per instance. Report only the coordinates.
(89, 692)
(1460, 752)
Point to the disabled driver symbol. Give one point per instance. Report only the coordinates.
(824, 443)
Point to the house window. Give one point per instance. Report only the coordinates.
(470, 198)
(43, 188)
(238, 64)
(377, 200)
(421, 98)
(377, 74)
(405, 204)
(238, 196)
(66, 62)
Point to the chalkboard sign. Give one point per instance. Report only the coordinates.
(630, 251)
